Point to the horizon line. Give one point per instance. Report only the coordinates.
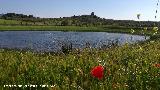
(79, 15)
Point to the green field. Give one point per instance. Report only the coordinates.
(51, 28)
(4, 22)
(77, 29)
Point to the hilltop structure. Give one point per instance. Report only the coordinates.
(92, 14)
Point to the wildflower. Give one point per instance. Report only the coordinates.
(157, 65)
(114, 85)
(80, 71)
(132, 31)
(155, 29)
(98, 72)
(151, 41)
(140, 48)
(155, 33)
(145, 29)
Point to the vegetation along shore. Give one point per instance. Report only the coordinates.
(13, 21)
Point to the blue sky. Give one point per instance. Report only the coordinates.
(110, 9)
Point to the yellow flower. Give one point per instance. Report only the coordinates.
(132, 31)
(155, 29)
(145, 29)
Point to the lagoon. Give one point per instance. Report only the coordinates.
(49, 41)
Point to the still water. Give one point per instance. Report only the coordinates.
(44, 41)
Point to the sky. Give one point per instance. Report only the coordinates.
(109, 9)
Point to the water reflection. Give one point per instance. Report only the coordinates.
(53, 40)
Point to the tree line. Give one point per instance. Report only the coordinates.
(81, 20)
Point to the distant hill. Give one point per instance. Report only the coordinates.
(81, 20)
(15, 16)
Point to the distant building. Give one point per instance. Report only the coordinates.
(92, 14)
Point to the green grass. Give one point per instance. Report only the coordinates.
(53, 28)
(131, 67)
(76, 29)
(8, 22)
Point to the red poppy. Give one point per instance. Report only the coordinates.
(157, 65)
(98, 72)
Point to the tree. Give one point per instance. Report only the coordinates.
(30, 16)
(64, 23)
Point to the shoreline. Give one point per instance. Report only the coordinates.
(74, 29)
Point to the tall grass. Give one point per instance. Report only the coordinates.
(126, 67)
